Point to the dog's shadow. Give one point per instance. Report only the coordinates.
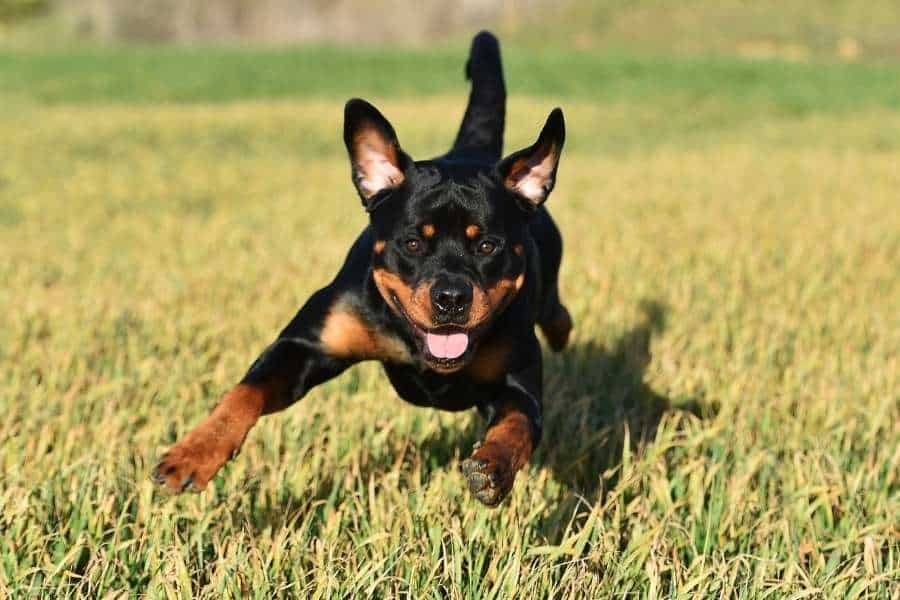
(595, 398)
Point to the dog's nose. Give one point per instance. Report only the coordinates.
(451, 300)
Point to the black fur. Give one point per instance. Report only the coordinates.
(467, 190)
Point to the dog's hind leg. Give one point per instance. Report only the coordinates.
(553, 317)
(557, 326)
(481, 132)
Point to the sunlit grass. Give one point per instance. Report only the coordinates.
(725, 423)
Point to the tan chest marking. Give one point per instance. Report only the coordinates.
(347, 335)
(490, 361)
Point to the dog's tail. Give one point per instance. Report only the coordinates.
(481, 132)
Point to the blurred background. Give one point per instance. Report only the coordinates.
(799, 30)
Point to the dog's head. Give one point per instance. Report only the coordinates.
(450, 250)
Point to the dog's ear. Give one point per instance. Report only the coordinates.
(531, 173)
(376, 160)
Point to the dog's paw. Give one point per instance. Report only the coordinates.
(193, 462)
(489, 474)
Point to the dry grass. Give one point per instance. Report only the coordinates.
(725, 424)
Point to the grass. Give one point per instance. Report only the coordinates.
(213, 75)
(799, 30)
(726, 422)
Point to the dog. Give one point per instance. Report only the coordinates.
(443, 287)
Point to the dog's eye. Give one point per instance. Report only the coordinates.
(413, 245)
(486, 247)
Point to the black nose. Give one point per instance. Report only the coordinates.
(451, 300)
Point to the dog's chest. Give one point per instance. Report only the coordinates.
(445, 392)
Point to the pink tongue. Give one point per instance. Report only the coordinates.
(447, 345)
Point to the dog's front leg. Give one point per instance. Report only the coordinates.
(293, 364)
(513, 432)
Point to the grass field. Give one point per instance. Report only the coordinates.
(725, 423)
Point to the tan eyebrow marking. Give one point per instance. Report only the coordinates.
(428, 230)
(519, 249)
(472, 231)
(379, 246)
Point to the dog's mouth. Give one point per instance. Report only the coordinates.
(445, 348)
(448, 346)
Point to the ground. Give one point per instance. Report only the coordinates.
(724, 423)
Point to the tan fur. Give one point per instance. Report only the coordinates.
(416, 303)
(492, 468)
(489, 362)
(428, 230)
(346, 335)
(486, 302)
(199, 455)
(472, 231)
(510, 435)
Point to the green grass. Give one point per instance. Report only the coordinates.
(147, 76)
(726, 422)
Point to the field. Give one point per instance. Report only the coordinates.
(726, 422)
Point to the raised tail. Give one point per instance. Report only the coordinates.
(481, 132)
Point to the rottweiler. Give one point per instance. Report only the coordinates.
(443, 287)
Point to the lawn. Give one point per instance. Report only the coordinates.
(726, 421)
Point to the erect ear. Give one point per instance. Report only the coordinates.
(376, 160)
(531, 173)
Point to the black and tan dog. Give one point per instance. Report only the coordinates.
(444, 287)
